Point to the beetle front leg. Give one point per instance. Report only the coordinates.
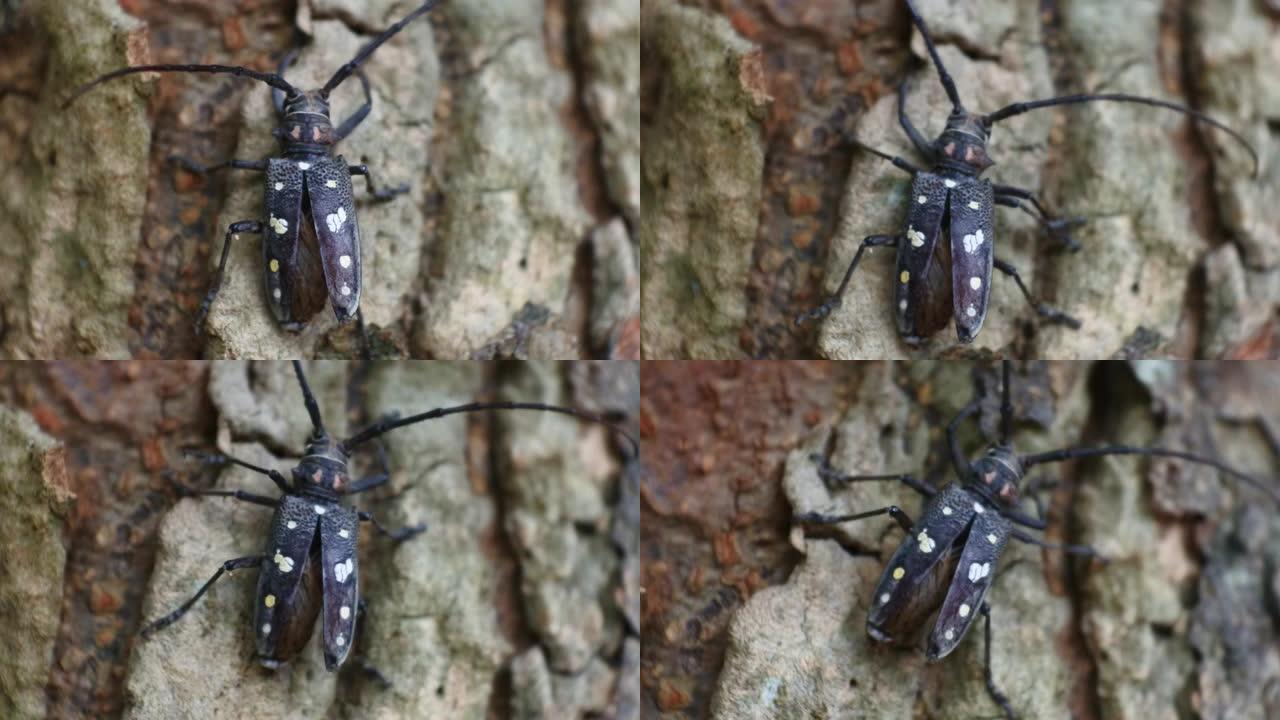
(1049, 313)
(228, 566)
(1058, 228)
(384, 194)
(400, 535)
(833, 302)
(244, 226)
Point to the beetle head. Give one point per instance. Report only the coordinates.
(323, 469)
(997, 475)
(306, 121)
(963, 144)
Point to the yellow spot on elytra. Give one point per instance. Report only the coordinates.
(275, 265)
(905, 276)
(270, 601)
(898, 573)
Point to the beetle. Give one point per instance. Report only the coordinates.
(308, 567)
(947, 252)
(948, 560)
(312, 239)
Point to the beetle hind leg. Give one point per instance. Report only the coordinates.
(1045, 311)
(999, 697)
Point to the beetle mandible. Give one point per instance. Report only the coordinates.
(309, 566)
(312, 238)
(949, 559)
(947, 252)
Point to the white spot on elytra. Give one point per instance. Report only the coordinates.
(279, 186)
(291, 525)
(343, 570)
(266, 628)
(949, 183)
(340, 640)
(345, 612)
(949, 634)
(922, 199)
(946, 510)
(345, 289)
(276, 293)
(335, 220)
(964, 610)
(977, 571)
(975, 283)
(343, 533)
(284, 563)
(991, 538)
(971, 311)
(280, 225)
(974, 205)
(331, 184)
(902, 305)
(345, 261)
(926, 543)
(916, 237)
(304, 166)
(319, 509)
(973, 242)
(977, 507)
(884, 598)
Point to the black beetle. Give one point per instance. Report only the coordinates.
(309, 565)
(948, 561)
(947, 252)
(312, 246)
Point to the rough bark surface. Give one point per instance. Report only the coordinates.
(1165, 202)
(509, 121)
(35, 497)
(1181, 622)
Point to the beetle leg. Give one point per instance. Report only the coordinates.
(1050, 314)
(384, 194)
(1038, 483)
(893, 511)
(831, 476)
(248, 497)
(228, 566)
(1085, 550)
(833, 302)
(1058, 228)
(349, 125)
(992, 690)
(220, 459)
(400, 535)
(244, 226)
(910, 129)
(192, 166)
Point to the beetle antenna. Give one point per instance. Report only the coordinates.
(1018, 108)
(1074, 453)
(345, 71)
(386, 425)
(945, 77)
(313, 408)
(1006, 407)
(271, 79)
